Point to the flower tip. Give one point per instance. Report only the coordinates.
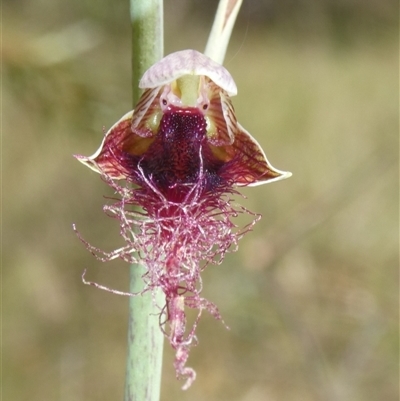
(281, 175)
(80, 157)
(271, 175)
(286, 174)
(88, 162)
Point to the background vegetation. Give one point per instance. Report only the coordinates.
(312, 296)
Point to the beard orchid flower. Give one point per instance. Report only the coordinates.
(175, 161)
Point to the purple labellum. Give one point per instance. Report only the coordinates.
(180, 154)
(184, 151)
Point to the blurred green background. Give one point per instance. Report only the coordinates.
(311, 298)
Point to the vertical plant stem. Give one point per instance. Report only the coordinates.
(145, 339)
(147, 38)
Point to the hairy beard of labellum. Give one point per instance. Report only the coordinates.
(184, 221)
(175, 241)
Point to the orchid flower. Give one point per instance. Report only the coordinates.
(179, 156)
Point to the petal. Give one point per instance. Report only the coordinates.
(220, 116)
(251, 153)
(246, 163)
(187, 62)
(132, 134)
(105, 159)
(147, 113)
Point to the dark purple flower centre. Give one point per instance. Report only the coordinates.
(180, 155)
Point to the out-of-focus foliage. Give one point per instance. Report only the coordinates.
(312, 295)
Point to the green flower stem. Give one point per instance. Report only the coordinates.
(147, 39)
(145, 339)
